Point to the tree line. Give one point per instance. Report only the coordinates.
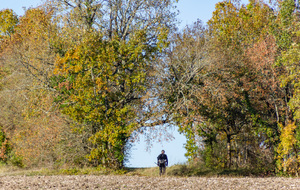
(80, 79)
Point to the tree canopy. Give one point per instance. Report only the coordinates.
(80, 78)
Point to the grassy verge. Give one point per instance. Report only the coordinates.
(184, 170)
(180, 170)
(6, 170)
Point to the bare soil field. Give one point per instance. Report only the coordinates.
(138, 182)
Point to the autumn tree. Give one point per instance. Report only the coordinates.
(288, 41)
(28, 115)
(104, 77)
(8, 21)
(218, 89)
(233, 29)
(180, 79)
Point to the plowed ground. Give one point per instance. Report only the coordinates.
(137, 182)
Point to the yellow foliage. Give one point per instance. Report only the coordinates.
(288, 159)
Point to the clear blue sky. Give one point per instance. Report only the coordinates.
(190, 11)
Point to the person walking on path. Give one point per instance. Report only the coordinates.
(162, 162)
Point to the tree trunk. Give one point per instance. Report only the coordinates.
(284, 164)
(228, 151)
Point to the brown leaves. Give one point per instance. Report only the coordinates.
(262, 54)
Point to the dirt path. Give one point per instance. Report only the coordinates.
(135, 182)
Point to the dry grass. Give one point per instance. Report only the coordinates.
(143, 182)
(147, 178)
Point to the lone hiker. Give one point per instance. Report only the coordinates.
(162, 162)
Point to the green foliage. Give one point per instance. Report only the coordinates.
(103, 72)
(191, 146)
(16, 160)
(281, 26)
(91, 93)
(287, 8)
(100, 82)
(5, 147)
(290, 59)
(214, 156)
(8, 21)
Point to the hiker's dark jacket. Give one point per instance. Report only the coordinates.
(162, 160)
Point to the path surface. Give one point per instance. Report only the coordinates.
(135, 182)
